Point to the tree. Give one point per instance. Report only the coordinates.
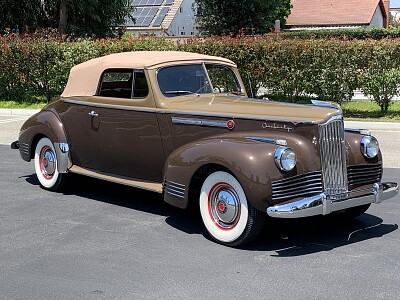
(81, 18)
(91, 17)
(18, 16)
(221, 17)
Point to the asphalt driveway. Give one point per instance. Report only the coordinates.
(100, 240)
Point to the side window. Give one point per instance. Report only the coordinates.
(223, 79)
(116, 83)
(140, 87)
(123, 83)
(182, 80)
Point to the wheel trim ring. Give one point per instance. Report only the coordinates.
(43, 162)
(213, 206)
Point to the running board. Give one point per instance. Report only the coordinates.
(145, 185)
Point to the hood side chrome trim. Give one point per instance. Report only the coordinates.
(200, 122)
(274, 141)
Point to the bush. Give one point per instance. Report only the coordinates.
(38, 66)
(291, 69)
(379, 74)
(375, 33)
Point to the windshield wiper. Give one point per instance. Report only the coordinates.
(236, 93)
(178, 92)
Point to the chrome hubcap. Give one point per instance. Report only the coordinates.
(47, 162)
(224, 206)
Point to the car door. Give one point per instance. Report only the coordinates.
(123, 132)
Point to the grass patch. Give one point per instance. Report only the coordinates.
(23, 104)
(370, 111)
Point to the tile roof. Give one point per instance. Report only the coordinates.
(332, 12)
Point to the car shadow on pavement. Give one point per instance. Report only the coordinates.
(284, 237)
(133, 198)
(297, 237)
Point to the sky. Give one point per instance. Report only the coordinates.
(395, 3)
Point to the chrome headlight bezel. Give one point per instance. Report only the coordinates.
(285, 158)
(369, 146)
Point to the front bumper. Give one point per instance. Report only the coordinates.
(322, 204)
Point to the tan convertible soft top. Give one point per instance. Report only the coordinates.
(84, 78)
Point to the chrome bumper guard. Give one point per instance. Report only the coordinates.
(323, 204)
(15, 145)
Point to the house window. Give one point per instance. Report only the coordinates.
(181, 9)
(123, 83)
(182, 33)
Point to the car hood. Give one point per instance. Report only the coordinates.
(242, 107)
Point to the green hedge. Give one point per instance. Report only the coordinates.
(325, 69)
(37, 68)
(290, 69)
(375, 33)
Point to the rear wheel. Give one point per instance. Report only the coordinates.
(46, 166)
(227, 215)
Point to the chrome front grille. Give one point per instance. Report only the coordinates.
(333, 158)
(304, 185)
(364, 174)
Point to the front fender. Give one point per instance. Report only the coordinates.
(251, 162)
(44, 123)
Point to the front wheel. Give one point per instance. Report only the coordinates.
(46, 166)
(227, 215)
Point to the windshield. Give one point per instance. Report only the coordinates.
(192, 79)
(223, 79)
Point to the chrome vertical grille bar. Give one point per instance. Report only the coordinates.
(333, 158)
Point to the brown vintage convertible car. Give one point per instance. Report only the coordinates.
(181, 124)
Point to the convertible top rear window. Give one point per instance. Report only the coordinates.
(123, 83)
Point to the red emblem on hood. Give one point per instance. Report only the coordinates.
(230, 124)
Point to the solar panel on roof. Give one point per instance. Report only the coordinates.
(147, 2)
(146, 10)
(144, 16)
(161, 16)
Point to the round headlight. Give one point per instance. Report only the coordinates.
(369, 146)
(285, 158)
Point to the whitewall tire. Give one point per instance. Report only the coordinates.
(227, 215)
(46, 165)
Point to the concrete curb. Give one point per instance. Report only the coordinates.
(18, 112)
(373, 125)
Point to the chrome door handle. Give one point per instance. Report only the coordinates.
(93, 114)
